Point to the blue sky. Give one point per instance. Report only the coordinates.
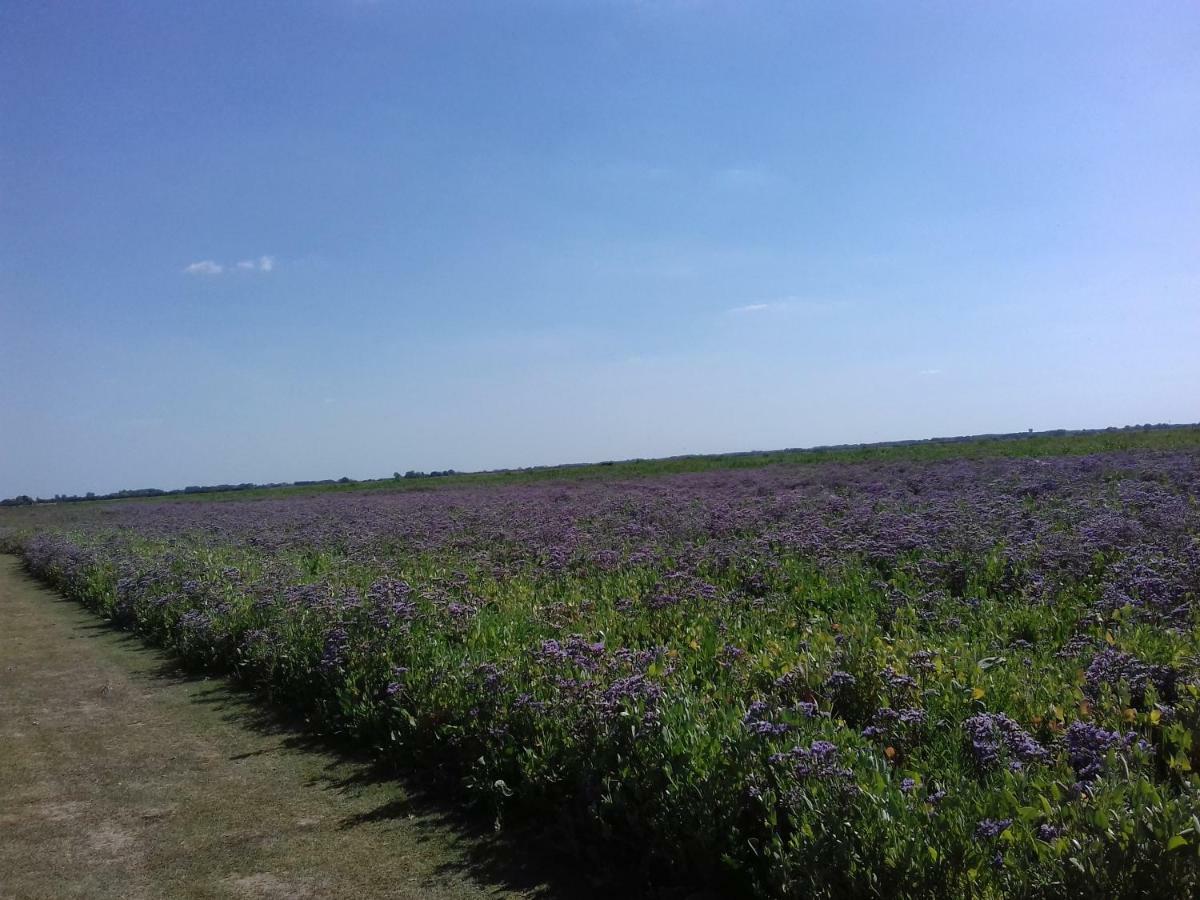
(280, 240)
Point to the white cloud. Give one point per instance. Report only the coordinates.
(262, 264)
(791, 304)
(209, 267)
(204, 267)
(930, 372)
(745, 177)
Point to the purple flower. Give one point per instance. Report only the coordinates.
(840, 680)
(994, 735)
(896, 681)
(637, 690)
(390, 603)
(337, 644)
(730, 654)
(819, 761)
(574, 650)
(1088, 745)
(989, 829)
(460, 612)
(1111, 668)
(897, 725)
(756, 722)
(488, 677)
(921, 661)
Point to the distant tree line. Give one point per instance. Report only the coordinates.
(26, 500)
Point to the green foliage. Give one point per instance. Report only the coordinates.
(761, 760)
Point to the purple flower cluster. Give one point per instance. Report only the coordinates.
(757, 722)
(1110, 668)
(1048, 832)
(897, 682)
(1088, 745)
(994, 737)
(605, 685)
(337, 646)
(921, 661)
(990, 829)
(820, 761)
(894, 724)
(395, 686)
(632, 691)
(840, 681)
(195, 624)
(730, 655)
(574, 651)
(391, 603)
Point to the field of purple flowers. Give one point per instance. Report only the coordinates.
(953, 678)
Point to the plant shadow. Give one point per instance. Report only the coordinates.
(525, 858)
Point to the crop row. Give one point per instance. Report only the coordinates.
(958, 678)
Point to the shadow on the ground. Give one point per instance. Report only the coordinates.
(524, 858)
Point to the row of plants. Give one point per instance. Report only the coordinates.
(974, 678)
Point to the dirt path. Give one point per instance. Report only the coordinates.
(121, 779)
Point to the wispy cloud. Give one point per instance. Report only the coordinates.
(211, 267)
(930, 372)
(204, 267)
(792, 304)
(745, 177)
(262, 264)
(755, 308)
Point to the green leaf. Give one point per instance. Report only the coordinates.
(1176, 842)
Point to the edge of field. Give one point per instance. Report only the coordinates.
(1033, 444)
(126, 777)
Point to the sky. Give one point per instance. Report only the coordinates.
(283, 240)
